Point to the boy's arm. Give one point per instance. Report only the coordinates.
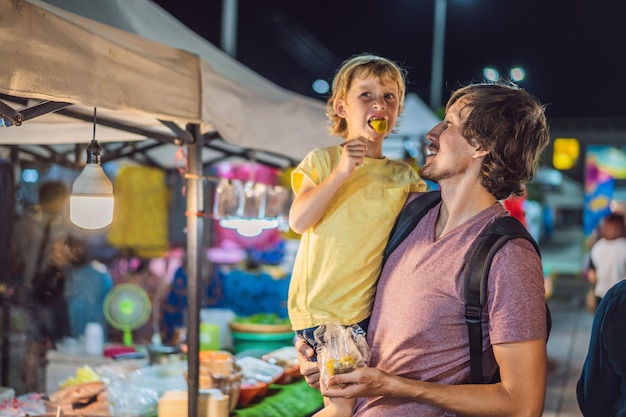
(523, 369)
(312, 200)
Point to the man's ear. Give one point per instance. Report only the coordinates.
(481, 152)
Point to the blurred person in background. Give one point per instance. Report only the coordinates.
(607, 264)
(88, 283)
(601, 389)
(39, 241)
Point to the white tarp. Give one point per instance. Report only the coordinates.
(416, 120)
(52, 54)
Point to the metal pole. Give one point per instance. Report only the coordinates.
(439, 34)
(229, 27)
(195, 230)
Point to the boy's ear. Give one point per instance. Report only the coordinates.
(339, 108)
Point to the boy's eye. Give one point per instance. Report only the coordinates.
(390, 96)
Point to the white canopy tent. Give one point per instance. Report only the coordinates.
(55, 61)
(416, 120)
(139, 66)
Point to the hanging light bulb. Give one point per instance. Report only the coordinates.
(91, 201)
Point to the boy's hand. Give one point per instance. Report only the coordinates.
(352, 155)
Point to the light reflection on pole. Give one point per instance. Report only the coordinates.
(229, 27)
(439, 34)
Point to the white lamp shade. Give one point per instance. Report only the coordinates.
(249, 227)
(91, 202)
(91, 212)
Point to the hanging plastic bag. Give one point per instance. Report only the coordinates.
(341, 349)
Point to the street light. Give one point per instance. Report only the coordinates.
(439, 34)
(491, 74)
(516, 74)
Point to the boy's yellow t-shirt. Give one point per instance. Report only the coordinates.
(339, 259)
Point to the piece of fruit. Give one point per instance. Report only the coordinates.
(379, 125)
(340, 366)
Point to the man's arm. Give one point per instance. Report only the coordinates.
(598, 387)
(521, 392)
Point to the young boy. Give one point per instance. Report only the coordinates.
(347, 199)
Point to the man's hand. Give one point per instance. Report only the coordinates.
(362, 382)
(308, 369)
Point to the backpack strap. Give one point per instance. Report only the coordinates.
(408, 218)
(475, 274)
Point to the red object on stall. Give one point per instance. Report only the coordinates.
(515, 205)
(118, 351)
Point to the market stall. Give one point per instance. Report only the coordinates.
(62, 66)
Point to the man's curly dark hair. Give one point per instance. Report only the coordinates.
(510, 123)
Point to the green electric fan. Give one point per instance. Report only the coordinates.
(127, 307)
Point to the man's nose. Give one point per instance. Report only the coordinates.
(434, 132)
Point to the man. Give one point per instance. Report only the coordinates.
(486, 149)
(601, 389)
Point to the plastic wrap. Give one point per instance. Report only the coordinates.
(341, 349)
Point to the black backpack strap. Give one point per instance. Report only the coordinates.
(476, 272)
(408, 218)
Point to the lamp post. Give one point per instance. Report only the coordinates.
(439, 34)
(229, 27)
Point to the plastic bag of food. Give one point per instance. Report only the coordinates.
(341, 349)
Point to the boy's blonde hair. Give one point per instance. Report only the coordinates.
(359, 67)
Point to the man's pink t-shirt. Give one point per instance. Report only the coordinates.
(418, 328)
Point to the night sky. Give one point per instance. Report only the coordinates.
(572, 51)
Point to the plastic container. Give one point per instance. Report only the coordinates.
(6, 393)
(220, 317)
(94, 339)
(247, 393)
(209, 336)
(265, 341)
(254, 369)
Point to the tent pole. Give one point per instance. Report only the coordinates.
(195, 229)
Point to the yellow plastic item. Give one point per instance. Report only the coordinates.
(380, 126)
(83, 374)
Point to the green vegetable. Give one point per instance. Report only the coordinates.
(262, 318)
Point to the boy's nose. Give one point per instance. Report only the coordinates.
(379, 104)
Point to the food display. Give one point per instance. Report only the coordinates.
(242, 381)
(218, 369)
(287, 357)
(87, 398)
